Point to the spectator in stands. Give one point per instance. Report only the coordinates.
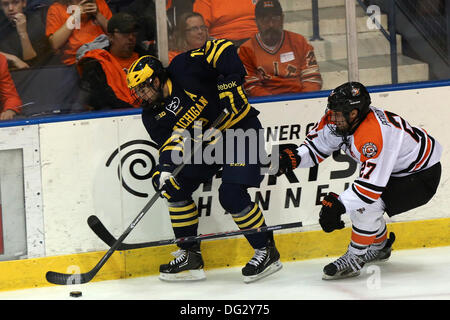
(176, 10)
(232, 19)
(14, 62)
(278, 61)
(145, 15)
(34, 4)
(10, 102)
(72, 23)
(22, 38)
(190, 33)
(103, 65)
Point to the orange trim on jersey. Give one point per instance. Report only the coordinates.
(381, 239)
(426, 155)
(323, 122)
(372, 195)
(362, 240)
(369, 131)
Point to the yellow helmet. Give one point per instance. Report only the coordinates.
(146, 68)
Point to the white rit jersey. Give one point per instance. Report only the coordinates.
(384, 145)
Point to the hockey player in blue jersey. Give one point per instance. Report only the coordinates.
(191, 92)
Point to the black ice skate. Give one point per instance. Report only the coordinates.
(349, 265)
(265, 262)
(380, 255)
(187, 266)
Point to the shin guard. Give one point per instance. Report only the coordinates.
(184, 218)
(250, 218)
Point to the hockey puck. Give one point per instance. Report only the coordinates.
(76, 294)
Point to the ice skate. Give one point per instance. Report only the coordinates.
(187, 266)
(380, 255)
(349, 265)
(265, 262)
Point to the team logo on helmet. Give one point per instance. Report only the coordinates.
(369, 150)
(355, 92)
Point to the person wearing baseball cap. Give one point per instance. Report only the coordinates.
(122, 22)
(103, 65)
(278, 61)
(122, 34)
(264, 7)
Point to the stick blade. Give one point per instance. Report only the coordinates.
(95, 223)
(100, 230)
(67, 279)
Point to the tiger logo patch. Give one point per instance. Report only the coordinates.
(369, 150)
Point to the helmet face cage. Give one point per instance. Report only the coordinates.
(139, 92)
(345, 98)
(336, 130)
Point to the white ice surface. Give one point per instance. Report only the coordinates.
(409, 274)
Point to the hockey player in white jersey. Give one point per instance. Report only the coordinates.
(399, 171)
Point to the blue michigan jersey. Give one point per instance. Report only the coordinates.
(193, 99)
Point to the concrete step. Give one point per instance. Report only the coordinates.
(331, 21)
(334, 47)
(293, 5)
(374, 70)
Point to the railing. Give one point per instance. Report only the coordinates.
(432, 20)
(390, 35)
(315, 19)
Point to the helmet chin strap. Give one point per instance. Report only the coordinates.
(352, 125)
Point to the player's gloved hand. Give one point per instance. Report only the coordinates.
(330, 214)
(288, 158)
(231, 94)
(166, 183)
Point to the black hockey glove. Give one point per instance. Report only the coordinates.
(163, 181)
(231, 93)
(330, 214)
(288, 158)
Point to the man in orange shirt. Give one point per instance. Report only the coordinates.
(122, 32)
(103, 69)
(232, 19)
(278, 61)
(72, 23)
(10, 102)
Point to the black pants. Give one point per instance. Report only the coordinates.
(406, 193)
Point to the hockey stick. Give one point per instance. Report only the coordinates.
(100, 230)
(67, 279)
